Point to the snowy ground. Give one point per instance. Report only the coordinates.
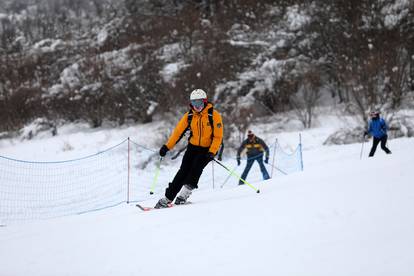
(341, 216)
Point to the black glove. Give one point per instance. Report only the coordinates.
(238, 161)
(219, 158)
(267, 160)
(163, 150)
(365, 133)
(210, 156)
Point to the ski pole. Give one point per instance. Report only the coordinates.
(178, 153)
(362, 148)
(277, 169)
(236, 175)
(228, 177)
(157, 173)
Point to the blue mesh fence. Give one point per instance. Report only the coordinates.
(41, 190)
(287, 162)
(121, 174)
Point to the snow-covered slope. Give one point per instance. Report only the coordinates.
(341, 216)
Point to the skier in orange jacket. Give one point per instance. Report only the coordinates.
(206, 135)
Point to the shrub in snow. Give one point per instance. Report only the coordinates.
(5, 135)
(67, 146)
(296, 18)
(346, 136)
(401, 126)
(37, 126)
(49, 45)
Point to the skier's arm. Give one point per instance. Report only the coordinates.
(218, 133)
(241, 148)
(220, 152)
(178, 132)
(266, 148)
(369, 127)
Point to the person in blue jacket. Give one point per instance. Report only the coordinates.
(378, 129)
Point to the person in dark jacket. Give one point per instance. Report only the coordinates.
(255, 147)
(378, 129)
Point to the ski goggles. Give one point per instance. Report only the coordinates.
(199, 103)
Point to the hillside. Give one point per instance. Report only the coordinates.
(341, 216)
(129, 61)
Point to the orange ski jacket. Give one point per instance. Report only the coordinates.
(202, 133)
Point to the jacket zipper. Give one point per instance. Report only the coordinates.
(199, 139)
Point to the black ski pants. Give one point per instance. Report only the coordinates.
(375, 143)
(194, 161)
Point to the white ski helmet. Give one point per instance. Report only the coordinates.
(198, 94)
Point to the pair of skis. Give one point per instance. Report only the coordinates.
(146, 209)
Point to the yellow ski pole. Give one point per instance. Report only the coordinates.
(157, 173)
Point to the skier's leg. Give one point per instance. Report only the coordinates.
(175, 186)
(375, 142)
(263, 168)
(384, 144)
(249, 165)
(200, 161)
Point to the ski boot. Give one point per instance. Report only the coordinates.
(162, 203)
(184, 195)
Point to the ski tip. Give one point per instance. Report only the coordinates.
(143, 208)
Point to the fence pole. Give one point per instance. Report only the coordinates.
(212, 168)
(300, 150)
(273, 161)
(129, 169)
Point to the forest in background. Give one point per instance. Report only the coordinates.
(135, 61)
